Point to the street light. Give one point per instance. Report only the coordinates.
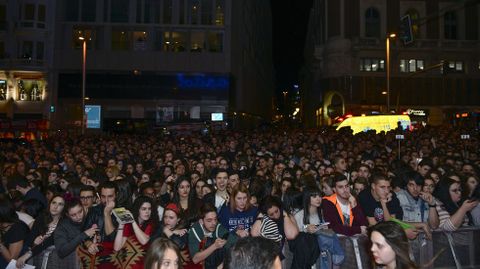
(84, 61)
(387, 48)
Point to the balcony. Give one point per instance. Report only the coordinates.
(22, 63)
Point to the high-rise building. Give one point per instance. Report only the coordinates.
(435, 78)
(152, 61)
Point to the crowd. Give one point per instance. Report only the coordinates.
(200, 194)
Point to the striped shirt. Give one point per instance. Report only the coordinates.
(444, 218)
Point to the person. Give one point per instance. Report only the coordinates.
(342, 210)
(452, 211)
(310, 217)
(87, 197)
(238, 216)
(28, 191)
(102, 216)
(221, 195)
(13, 233)
(208, 239)
(418, 207)
(184, 197)
(390, 246)
(163, 254)
(253, 253)
(139, 231)
(70, 234)
(40, 239)
(379, 203)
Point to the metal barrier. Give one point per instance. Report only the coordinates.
(446, 250)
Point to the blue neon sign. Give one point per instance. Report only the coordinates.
(202, 82)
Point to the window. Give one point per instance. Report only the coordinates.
(145, 11)
(27, 50)
(411, 65)
(139, 40)
(181, 11)
(119, 10)
(197, 41)
(2, 50)
(207, 12)
(372, 65)
(89, 10)
(30, 90)
(414, 16)
(453, 67)
(219, 15)
(372, 23)
(41, 16)
(40, 51)
(450, 25)
(28, 15)
(167, 11)
(3, 17)
(71, 10)
(3, 90)
(175, 41)
(215, 42)
(194, 5)
(85, 33)
(119, 40)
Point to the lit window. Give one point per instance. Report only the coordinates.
(411, 65)
(372, 65)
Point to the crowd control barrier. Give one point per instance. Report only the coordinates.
(447, 250)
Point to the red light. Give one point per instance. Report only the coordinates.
(348, 116)
(404, 113)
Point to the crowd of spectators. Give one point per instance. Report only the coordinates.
(298, 188)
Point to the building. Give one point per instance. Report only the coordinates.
(26, 46)
(437, 76)
(149, 62)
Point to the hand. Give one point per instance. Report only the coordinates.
(38, 240)
(363, 229)
(469, 204)
(387, 199)
(427, 197)
(93, 248)
(311, 228)
(352, 201)
(109, 207)
(219, 243)
(412, 233)
(91, 232)
(242, 233)
(21, 261)
(428, 232)
(180, 232)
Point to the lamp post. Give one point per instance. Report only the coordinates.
(387, 48)
(84, 61)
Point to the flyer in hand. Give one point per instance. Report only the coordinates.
(123, 215)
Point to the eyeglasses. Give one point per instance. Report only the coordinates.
(86, 197)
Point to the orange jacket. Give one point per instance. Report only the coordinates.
(333, 198)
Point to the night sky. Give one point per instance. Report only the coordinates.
(290, 19)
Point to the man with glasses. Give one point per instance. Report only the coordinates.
(87, 197)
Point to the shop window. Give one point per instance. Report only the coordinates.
(411, 65)
(30, 90)
(215, 42)
(3, 90)
(197, 41)
(372, 65)
(372, 23)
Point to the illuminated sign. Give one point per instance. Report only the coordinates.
(416, 112)
(217, 116)
(202, 82)
(378, 123)
(93, 114)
